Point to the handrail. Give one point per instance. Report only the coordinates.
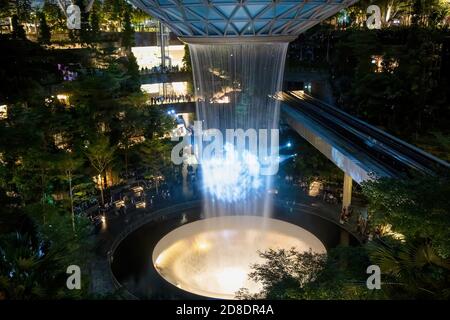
(405, 144)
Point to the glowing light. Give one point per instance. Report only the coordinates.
(3, 111)
(119, 203)
(213, 257)
(232, 177)
(159, 260)
(289, 145)
(202, 245)
(224, 99)
(63, 98)
(137, 189)
(314, 188)
(103, 220)
(231, 278)
(141, 205)
(179, 87)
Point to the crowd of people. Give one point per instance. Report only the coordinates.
(152, 192)
(160, 69)
(138, 192)
(346, 214)
(171, 98)
(333, 195)
(361, 222)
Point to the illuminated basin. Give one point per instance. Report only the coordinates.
(213, 257)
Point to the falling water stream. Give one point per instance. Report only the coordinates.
(234, 83)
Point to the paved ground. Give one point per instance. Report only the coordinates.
(290, 197)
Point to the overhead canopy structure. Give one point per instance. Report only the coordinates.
(237, 18)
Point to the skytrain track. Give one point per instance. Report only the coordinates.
(393, 154)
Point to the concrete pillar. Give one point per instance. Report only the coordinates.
(347, 191)
(346, 201)
(161, 44)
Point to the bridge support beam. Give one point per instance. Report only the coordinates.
(347, 191)
(346, 201)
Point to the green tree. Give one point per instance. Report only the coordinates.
(18, 31)
(417, 208)
(127, 31)
(100, 154)
(139, 17)
(5, 8)
(187, 63)
(23, 9)
(44, 35)
(94, 20)
(155, 155)
(54, 15)
(112, 13)
(133, 82)
(67, 164)
(33, 260)
(129, 126)
(290, 274)
(411, 269)
(429, 12)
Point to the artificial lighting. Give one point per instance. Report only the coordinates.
(232, 177)
(119, 203)
(141, 205)
(213, 257)
(3, 112)
(63, 98)
(314, 188)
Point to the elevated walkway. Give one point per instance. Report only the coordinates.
(361, 150)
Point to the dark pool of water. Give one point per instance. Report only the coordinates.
(133, 267)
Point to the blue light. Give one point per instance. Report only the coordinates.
(249, 17)
(232, 177)
(289, 144)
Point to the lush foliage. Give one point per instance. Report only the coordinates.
(289, 274)
(416, 208)
(57, 136)
(405, 94)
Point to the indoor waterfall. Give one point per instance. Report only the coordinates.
(234, 84)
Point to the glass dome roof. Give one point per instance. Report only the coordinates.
(218, 18)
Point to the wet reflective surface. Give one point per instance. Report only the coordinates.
(133, 261)
(213, 257)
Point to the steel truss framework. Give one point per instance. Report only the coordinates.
(219, 18)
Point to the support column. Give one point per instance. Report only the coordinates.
(162, 43)
(346, 201)
(347, 191)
